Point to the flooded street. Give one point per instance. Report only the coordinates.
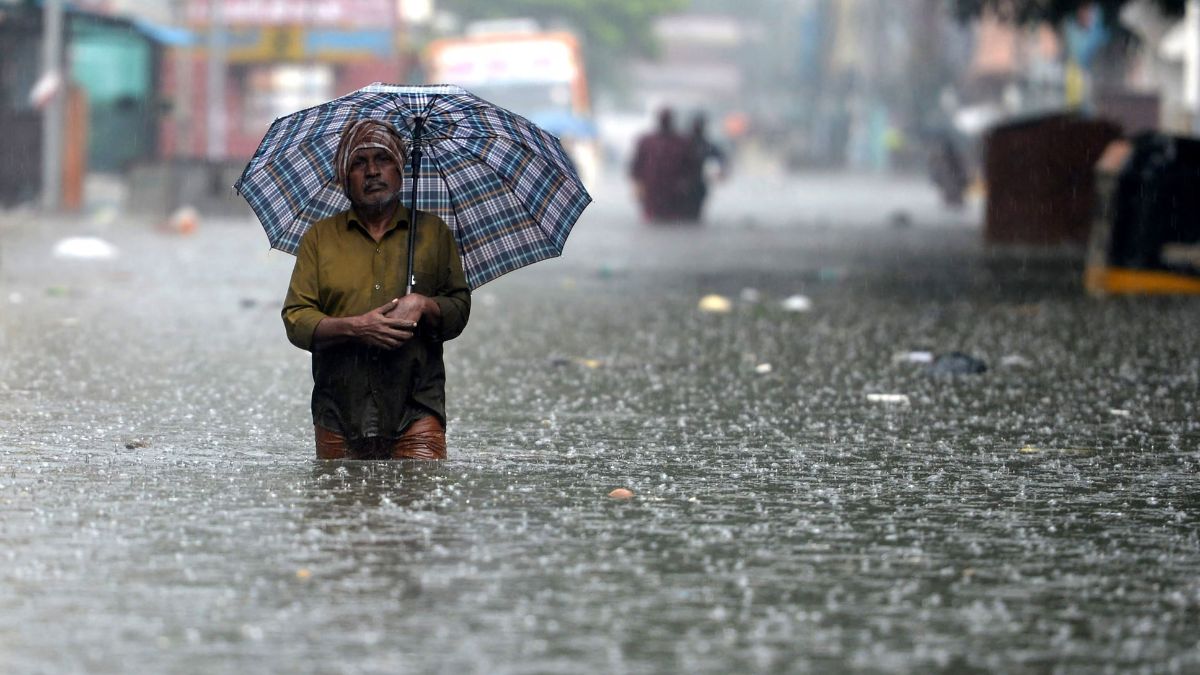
(808, 494)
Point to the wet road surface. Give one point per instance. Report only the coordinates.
(807, 496)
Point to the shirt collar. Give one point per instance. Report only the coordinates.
(400, 220)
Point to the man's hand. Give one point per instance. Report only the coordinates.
(386, 326)
(411, 308)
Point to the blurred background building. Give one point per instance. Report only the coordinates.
(168, 100)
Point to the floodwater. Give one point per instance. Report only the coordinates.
(807, 496)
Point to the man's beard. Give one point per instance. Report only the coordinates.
(377, 201)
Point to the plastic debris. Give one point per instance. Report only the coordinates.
(1033, 449)
(136, 443)
(184, 220)
(303, 573)
(763, 368)
(1118, 412)
(621, 493)
(590, 364)
(716, 304)
(87, 248)
(797, 303)
(912, 357)
(892, 399)
(957, 363)
(1015, 361)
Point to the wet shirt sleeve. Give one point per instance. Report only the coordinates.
(453, 294)
(300, 307)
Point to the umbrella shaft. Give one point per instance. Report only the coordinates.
(418, 127)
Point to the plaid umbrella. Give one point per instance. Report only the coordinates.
(504, 186)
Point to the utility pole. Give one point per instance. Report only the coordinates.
(53, 113)
(184, 142)
(216, 81)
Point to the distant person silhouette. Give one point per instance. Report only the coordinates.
(659, 171)
(703, 153)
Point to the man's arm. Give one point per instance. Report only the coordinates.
(454, 296)
(301, 307)
(376, 328)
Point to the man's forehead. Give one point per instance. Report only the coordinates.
(370, 151)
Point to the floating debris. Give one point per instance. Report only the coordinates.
(303, 573)
(715, 304)
(891, 399)
(136, 443)
(957, 363)
(1015, 361)
(763, 368)
(621, 493)
(1033, 449)
(797, 303)
(590, 364)
(184, 220)
(84, 248)
(912, 357)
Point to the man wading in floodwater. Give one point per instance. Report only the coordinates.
(379, 387)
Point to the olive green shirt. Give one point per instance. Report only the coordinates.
(361, 391)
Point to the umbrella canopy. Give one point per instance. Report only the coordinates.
(504, 186)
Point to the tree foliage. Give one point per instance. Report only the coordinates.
(1052, 11)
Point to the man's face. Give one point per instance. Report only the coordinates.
(374, 178)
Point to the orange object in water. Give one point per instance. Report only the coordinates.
(185, 220)
(621, 493)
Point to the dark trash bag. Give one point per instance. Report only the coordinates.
(1156, 204)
